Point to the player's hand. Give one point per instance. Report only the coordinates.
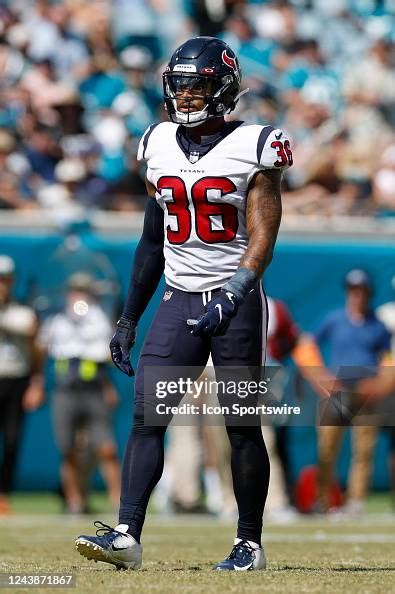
(218, 314)
(121, 344)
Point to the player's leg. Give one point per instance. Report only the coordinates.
(244, 345)
(168, 343)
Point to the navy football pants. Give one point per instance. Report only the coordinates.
(169, 342)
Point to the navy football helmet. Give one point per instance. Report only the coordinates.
(209, 69)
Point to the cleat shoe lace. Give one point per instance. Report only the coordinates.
(244, 556)
(106, 533)
(242, 552)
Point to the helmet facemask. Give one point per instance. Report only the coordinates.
(181, 88)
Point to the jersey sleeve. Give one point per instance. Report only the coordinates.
(143, 152)
(271, 150)
(274, 149)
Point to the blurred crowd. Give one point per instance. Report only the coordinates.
(81, 80)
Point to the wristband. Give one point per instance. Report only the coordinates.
(241, 283)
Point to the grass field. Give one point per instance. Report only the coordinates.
(309, 555)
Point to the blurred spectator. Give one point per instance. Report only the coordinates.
(254, 53)
(46, 92)
(384, 181)
(308, 71)
(277, 21)
(139, 104)
(90, 20)
(101, 82)
(77, 341)
(128, 194)
(42, 152)
(12, 63)
(371, 80)
(386, 313)
(10, 196)
(43, 34)
(69, 50)
(210, 16)
(14, 189)
(282, 337)
(20, 379)
(316, 174)
(111, 134)
(357, 340)
(67, 192)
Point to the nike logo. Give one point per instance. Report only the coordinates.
(278, 136)
(114, 548)
(244, 568)
(219, 307)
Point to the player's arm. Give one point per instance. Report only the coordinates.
(263, 216)
(145, 276)
(263, 221)
(148, 261)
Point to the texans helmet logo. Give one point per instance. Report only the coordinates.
(231, 62)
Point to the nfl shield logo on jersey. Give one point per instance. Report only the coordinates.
(167, 295)
(194, 156)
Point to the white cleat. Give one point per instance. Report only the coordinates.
(113, 546)
(245, 556)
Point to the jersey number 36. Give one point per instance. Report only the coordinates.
(179, 207)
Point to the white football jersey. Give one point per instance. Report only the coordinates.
(204, 199)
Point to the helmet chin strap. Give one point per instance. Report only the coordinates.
(190, 120)
(189, 124)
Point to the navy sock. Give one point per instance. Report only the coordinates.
(142, 468)
(251, 473)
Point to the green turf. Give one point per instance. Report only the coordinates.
(309, 555)
(51, 503)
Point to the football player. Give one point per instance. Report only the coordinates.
(211, 223)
